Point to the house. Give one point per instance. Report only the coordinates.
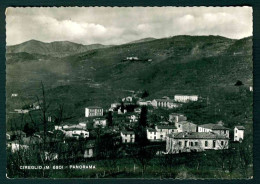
(142, 102)
(24, 143)
(127, 136)
(37, 105)
(195, 141)
(50, 156)
(239, 133)
(127, 99)
(93, 111)
(216, 128)
(89, 149)
(14, 135)
(185, 98)
(14, 95)
(185, 126)
(132, 58)
(115, 105)
(177, 117)
(160, 132)
(76, 133)
(100, 122)
(250, 88)
(82, 125)
(164, 103)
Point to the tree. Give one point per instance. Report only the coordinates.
(110, 119)
(145, 94)
(28, 130)
(239, 83)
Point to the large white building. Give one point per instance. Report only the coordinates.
(195, 141)
(218, 129)
(164, 103)
(93, 111)
(186, 98)
(239, 133)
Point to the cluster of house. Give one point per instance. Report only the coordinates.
(135, 58)
(179, 134)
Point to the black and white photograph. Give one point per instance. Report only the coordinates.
(129, 92)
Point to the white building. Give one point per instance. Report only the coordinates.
(239, 133)
(137, 110)
(218, 129)
(251, 88)
(186, 98)
(160, 132)
(76, 132)
(14, 95)
(89, 149)
(128, 136)
(93, 111)
(99, 122)
(164, 103)
(195, 141)
(133, 118)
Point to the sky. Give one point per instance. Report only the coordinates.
(119, 25)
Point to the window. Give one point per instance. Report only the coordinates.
(236, 131)
(179, 126)
(191, 144)
(214, 144)
(185, 143)
(154, 137)
(179, 143)
(196, 144)
(161, 136)
(225, 132)
(222, 143)
(206, 143)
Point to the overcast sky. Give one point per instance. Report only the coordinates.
(105, 25)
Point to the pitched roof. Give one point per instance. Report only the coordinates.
(240, 127)
(151, 130)
(197, 135)
(165, 100)
(185, 122)
(127, 132)
(94, 107)
(166, 127)
(213, 126)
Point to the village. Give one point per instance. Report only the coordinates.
(175, 132)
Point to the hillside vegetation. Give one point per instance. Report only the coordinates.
(205, 65)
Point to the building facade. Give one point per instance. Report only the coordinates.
(195, 141)
(99, 122)
(239, 133)
(176, 117)
(218, 129)
(186, 98)
(93, 111)
(160, 132)
(127, 136)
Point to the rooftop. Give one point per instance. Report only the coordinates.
(240, 127)
(197, 135)
(94, 107)
(213, 126)
(186, 122)
(127, 132)
(151, 130)
(166, 127)
(165, 100)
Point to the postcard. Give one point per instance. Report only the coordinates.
(129, 92)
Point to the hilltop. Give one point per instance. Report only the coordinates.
(55, 49)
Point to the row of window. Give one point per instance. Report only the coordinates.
(97, 110)
(196, 143)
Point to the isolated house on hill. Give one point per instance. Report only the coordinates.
(93, 111)
(195, 141)
(216, 128)
(89, 149)
(239, 133)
